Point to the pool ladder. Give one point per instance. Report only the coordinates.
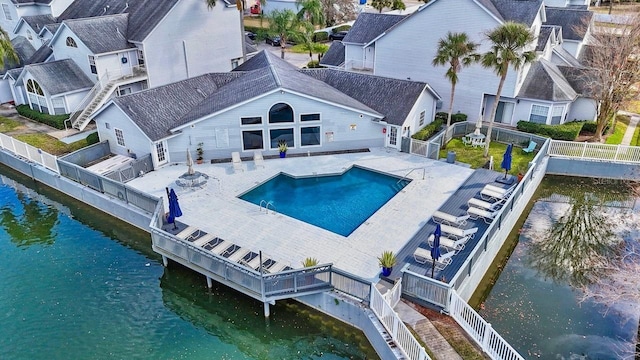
(266, 206)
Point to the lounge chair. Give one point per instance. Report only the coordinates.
(238, 254)
(188, 232)
(473, 202)
(453, 244)
(275, 267)
(252, 262)
(204, 239)
(421, 256)
(477, 213)
(213, 243)
(531, 147)
(459, 233)
(258, 160)
(221, 247)
(490, 192)
(237, 162)
(444, 218)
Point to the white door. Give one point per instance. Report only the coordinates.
(368, 57)
(161, 153)
(125, 64)
(392, 136)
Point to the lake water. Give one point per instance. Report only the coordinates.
(537, 301)
(77, 284)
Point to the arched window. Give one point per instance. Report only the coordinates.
(34, 88)
(71, 42)
(280, 113)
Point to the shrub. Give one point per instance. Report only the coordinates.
(590, 127)
(568, 131)
(455, 118)
(92, 138)
(314, 64)
(341, 28)
(320, 36)
(429, 130)
(56, 121)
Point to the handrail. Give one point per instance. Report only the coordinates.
(266, 206)
(405, 177)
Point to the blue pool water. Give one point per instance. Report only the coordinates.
(338, 203)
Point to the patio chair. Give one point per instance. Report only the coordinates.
(188, 233)
(237, 162)
(238, 254)
(490, 192)
(459, 233)
(258, 160)
(455, 245)
(421, 256)
(444, 218)
(466, 141)
(276, 266)
(252, 262)
(477, 213)
(531, 147)
(204, 239)
(474, 202)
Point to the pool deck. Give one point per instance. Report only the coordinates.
(215, 208)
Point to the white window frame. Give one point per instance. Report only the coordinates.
(140, 57)
(58, 101)
(7, 12)
(293, 134)
(310, 121)
(119, 134)
(254, 129)
(161, 152)
(71, 42)
(533, 113)
(252, 116)
(554, 110)
(92, 64)
(421, 118)
(313, 125)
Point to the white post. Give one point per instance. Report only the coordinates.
(165, 261)
(266, 309)
(617, 151)
(485, 339)
(209, 283)
(584, 149)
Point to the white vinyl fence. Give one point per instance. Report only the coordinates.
(595, 151)
(29, 152)
(481, 331)
(399, 332)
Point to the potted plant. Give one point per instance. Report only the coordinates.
(200, 153)
(387, 260)
(282, 146)
(521, 174)
(309, 262)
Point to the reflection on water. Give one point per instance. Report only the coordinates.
(77, 284)
(575, 234)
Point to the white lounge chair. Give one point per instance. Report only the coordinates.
(421, 256)
(490, 192)
(444, 218)
(453, 244)
(204, 239)
(253, 263)
(459, 233)
(277, 267)
(258, 160)
(477, 213)
(499, 189)
(221, 248)
(237, 162)
(473, 202)
(188, 232)
(239, 254)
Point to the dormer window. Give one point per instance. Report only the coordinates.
(71, 42)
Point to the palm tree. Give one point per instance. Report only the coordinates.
(458, 51)
(380, 4)
(311, 11)
(7, 53)
(509, 42)
(284, 23)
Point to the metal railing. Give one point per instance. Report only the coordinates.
(595, 151)
(481, 331)
(132, 170)
(350, 284)
(398, 331)
(29, 152)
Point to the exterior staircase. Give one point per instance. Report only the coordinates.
(100, 93)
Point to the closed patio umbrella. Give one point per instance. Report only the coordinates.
(435, 250)
(174, 208)
(506, 160)
(190, 171)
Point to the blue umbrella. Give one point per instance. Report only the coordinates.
(174, 208)
(435, 249)
(506, 160)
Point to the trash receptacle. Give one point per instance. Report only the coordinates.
(451, 157)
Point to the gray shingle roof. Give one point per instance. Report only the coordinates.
(579, 78)
(488, 4)
(566, 56)
(573, 21)
(156, 110)
(61, 76)
(368, 26)
(41, 55)
(38, 22)
(334, 56)
(101, 34)
(545, 82)
(52, 28)
(543, 37)
(14, 73)
(392, 97)
(23, 48)
(144, 15)
(521, 11)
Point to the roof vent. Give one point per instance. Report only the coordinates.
(201, 93)
(126, 6)
(131, 110)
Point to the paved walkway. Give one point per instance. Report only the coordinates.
(633, 123)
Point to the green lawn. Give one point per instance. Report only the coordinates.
(50, 144)
(299, 49)
(7, 124)
(474, 156)
(621, 127)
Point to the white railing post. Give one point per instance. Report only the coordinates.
(485, 339)
(617, 151)
(584, 149)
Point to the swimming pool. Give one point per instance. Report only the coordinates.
(338, 203)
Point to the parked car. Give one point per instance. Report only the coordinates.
(338, 35)
(273, 40)
(250, 35)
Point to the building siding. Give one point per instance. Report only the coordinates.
(582, 109)
(79, 54)
(136, 142)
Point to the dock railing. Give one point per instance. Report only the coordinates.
(595, 151)
(29, 152)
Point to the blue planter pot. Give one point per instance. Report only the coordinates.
(283, 154)
(386, 271)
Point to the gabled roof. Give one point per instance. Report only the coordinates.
(543, 37)
(573, 21)
(23, 49)
(334, 56)
(59, 77)
(545, 82)
(52, 28)
(38, 22)
(566, 56)
(41, 55)
(144, 15)
(368, 26)
(392, 97)
(582, 81)
(520, 11)
(101, 34)
(155, 111)
(13, 73)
